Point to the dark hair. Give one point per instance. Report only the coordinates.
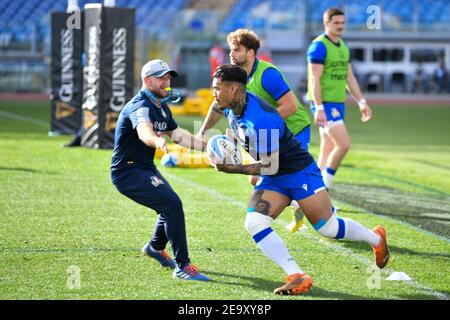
(231, 73)
(331, 12)
(244, 37)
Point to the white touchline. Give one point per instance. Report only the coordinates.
(333, 245)
(20, 117)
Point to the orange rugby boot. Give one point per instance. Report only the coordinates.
(295, 284)
(381, 252)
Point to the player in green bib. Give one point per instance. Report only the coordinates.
(329, 75)
(266, 81)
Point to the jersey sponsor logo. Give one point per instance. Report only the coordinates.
(156, 181)
(160, 126)
(336, 64)
(305, 186)
(339, 77)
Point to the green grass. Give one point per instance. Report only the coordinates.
(59, 209)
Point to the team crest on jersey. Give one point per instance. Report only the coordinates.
(335, 113)
(156, 181)
(160, 126)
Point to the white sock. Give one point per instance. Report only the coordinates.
(328, 175)
(355, 231)
(274, 248)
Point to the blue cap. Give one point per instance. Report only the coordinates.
(156, 68)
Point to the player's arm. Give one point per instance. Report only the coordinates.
(316, 71)
(273, 83)
(268, 165)
(287, 105)
(186, 139)
(148, 136)
(213, 116)
(355, 91)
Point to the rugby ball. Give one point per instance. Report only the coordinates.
(223, 150)
(169, 160)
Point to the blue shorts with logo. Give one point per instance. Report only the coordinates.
(296, 186)
(304, 137)
(334, 111)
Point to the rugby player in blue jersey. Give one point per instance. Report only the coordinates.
(266, 81)
(287, 172)
(139, 131)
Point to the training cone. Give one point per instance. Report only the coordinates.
(399, 276)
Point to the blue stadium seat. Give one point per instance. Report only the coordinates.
(14, 13)
(238, 15)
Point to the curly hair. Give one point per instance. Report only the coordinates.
(231, 73)
(246, 38)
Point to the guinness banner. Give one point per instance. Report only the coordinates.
(66, 75)
(108, 73)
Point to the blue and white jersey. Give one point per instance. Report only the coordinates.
(261, 131)
(128, 148)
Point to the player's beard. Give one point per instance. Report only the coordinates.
(241, 63)
(157, 93)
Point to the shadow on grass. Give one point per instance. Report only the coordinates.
(429, 163)
(395, 250)
(269, 285)
(425, 211)
(395, 179)
(26, 170)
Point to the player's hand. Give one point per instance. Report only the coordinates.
(213, 161)
(219, 167)
(366, 112)
(230, 135)
(320, 118)
(161, 144)
(199, 135)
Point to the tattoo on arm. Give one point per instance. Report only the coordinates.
(253, 169)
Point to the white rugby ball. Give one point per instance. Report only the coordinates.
(223, 150)
(169, 160)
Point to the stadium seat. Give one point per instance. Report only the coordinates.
(374, 82)
(398, 82)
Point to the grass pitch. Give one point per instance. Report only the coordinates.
(61, 215)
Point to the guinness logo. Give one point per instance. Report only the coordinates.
(111, 120)
(64, 110)
(89, 119)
